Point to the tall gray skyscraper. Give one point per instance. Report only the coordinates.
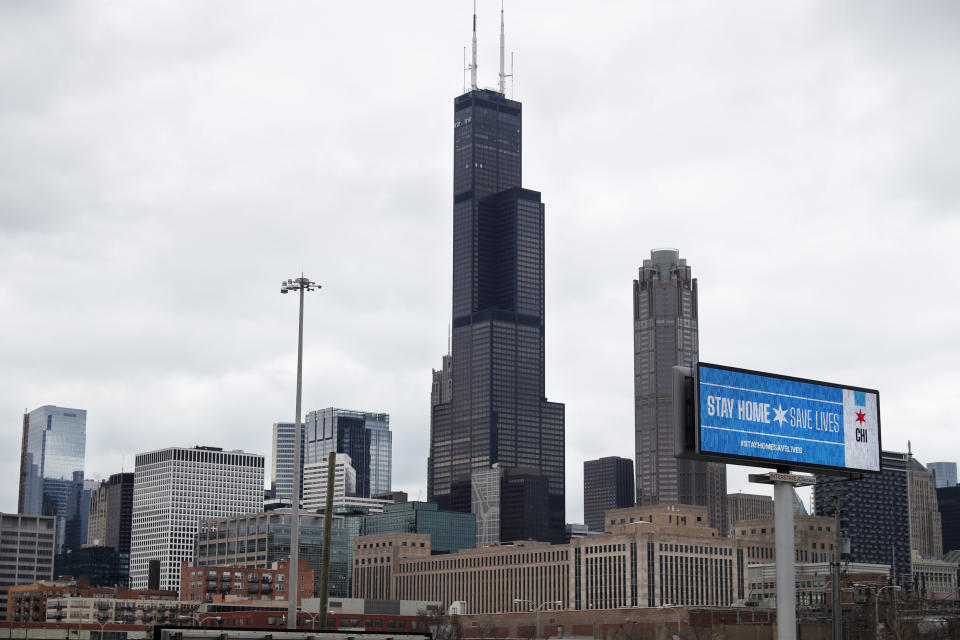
(665, 334)
(362, 435)
(51, 469)
(496, 411)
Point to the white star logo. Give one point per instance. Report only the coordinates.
(780, 415)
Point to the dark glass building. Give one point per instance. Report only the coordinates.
(362, 435)
(449, 532)
(948, 502)
(607, 484)
(665, 334)
(874, 513)
(102, 566)
(495, 409)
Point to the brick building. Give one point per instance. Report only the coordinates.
(209, 583)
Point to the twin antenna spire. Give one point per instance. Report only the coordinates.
(472, 67)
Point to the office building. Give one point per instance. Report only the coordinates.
(665, 334)
(27, 544)
(100, 566)
(362, 435)
(607, 484)
(284, 451)
(495, 411)
(874, 514)
(51, 468)
(315, 477)
(926, 534)
(948, 504)
(510, 503)
(665, 556)
(748, 506)
(111, 513)
(259, 540)
(204, 583)
(944, 474)
(449, 531)
(173, 489)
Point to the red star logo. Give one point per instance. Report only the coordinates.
(860, 416)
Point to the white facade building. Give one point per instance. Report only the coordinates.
(344, 487)
(173, 488)
(281, 471)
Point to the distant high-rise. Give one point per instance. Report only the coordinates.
(665, 334)
(874, 513)
(948, 503)
(281, 471)
(51, 469)
(173, 489)
(111, 513)
(926, 536)
(607, 484)
(496, 411)
(944, 473)
(748, 506)
(362, 435)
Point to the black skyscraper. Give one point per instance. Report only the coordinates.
(497, 410)
(607, 484)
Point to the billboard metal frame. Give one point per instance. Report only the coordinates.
(758, 461)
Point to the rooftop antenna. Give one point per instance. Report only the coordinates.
(465, 67)
(473, 59)
(503, 76)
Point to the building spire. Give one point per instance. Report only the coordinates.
(473, 59)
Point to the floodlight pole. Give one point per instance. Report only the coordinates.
(302, 285)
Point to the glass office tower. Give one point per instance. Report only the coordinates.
(362, 435)
(51, 468)
(496, 409)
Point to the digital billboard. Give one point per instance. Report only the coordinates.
(764, 419)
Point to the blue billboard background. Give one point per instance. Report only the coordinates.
(779, 419)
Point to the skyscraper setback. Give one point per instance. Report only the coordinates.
(665, 334)
(496, 410)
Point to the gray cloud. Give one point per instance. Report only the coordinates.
(164, 167)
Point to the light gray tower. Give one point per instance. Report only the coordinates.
(664, 335)
(281, 472)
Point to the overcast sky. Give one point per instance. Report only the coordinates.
(163, 166)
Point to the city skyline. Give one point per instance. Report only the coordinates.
(152, 153)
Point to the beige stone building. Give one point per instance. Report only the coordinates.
(814, 539)
(657, 556)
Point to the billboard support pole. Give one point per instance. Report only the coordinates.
(785, 556)
(784, 545)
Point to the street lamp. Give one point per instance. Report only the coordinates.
(537, 609)
(676, 607)
(876, 606)
(302, 285)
